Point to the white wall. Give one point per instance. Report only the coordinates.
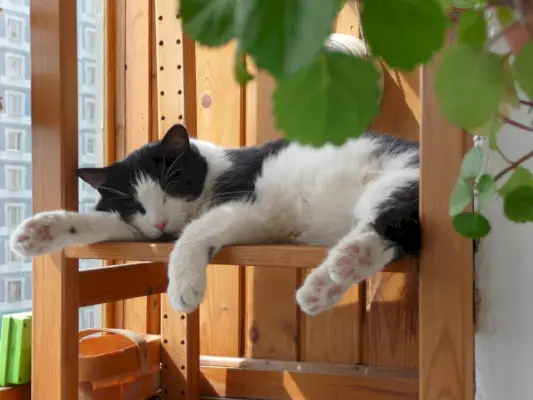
(504, 266)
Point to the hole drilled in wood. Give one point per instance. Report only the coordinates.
(160, 43)
(160, 18)
(180, 117)
(162, 118)
(178, 41)
(182, 367)
(161, 68)
(162, 93)
(183, 317)
(180, 92)
(165, 316)
(165, 341)
(182, 342)
(179, 66)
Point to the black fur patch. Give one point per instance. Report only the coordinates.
(398, 219)
(394, 146)
(238, 183)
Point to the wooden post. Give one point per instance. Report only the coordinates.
(176, 76)
(54, 100)
(446, 272)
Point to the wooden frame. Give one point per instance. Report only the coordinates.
(446, 278)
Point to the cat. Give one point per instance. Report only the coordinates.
(359, 199)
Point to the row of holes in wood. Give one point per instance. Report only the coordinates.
(162, 68)
(183, 366)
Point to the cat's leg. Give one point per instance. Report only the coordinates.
(229, 224)
(387, 227)
(54, 230)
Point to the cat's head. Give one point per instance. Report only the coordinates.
(155, 188)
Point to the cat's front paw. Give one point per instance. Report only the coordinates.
(187, 270)
(41, 234)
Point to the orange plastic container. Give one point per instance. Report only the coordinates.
(117, 364)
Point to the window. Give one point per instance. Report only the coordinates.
(88, 7)
(90, 144)
(14, 214)
(12, 257)
(15, 103)
(15, 29)
(14, 289)
(88, 317)
(18, 2)
(15, 66)
(14, 140)
(14, 177)
(85, 187)
(90, 74)
(90, 110)
(90, 39)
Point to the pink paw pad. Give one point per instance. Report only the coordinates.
(312, 299)
(353, 249)
(335, 291)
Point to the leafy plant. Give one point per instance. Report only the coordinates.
(475, 87)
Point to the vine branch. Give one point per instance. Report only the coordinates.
(513, 165)
(517, 124)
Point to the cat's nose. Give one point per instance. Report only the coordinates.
(161, 225)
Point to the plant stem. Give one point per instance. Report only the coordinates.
(517, 124)
(526, 103)
(513, 165)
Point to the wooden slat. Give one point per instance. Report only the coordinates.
(219, 121)
(180, 333)
(119, 113)
(446, 275)
(266, 379)
(280, 256)
(22, 392)
(271, 327)
(119, 282)
(54, 102)
(138, 118)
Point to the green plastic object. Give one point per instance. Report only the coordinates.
(15, 349)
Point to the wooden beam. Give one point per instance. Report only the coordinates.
(280, 256)
(54, 104)
(446, 273)
(21, 392)
(280, 380)
(120, 282)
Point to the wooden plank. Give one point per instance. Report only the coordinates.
(180, 352)
(219, 121)
(22, 392)
(288, 382)
(272, 328)
(119, 114)
(446, 275)
(119, 282)
(347, 20)
(288, 256)
(54, 102)
(138, 118)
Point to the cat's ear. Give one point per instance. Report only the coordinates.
(176, 139)
(96, 177)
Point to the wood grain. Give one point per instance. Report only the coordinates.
(287, 381)
(22, 392)
(277, 256)
(54, 103)
(180, 333)
(271, 326)
(446, 273)
(138, 119)
(218, 121)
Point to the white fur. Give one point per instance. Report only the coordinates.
(323, 196)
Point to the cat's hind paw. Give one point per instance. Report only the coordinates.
(319, 292)
(43, 233)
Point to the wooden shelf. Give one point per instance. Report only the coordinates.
(287, 256)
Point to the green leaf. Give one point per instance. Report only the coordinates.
(505, 15)
(523, 68)
(486, 189)
(469, 85)
(405, 33)
(284, 35)
(472, 28)
(518, 204)
(461, 197)
(210, 22)
(333, 99)
(242, 75)
(471, 225)
(520, 177)
(472, 163)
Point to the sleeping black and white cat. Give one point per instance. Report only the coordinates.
(360, 199)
